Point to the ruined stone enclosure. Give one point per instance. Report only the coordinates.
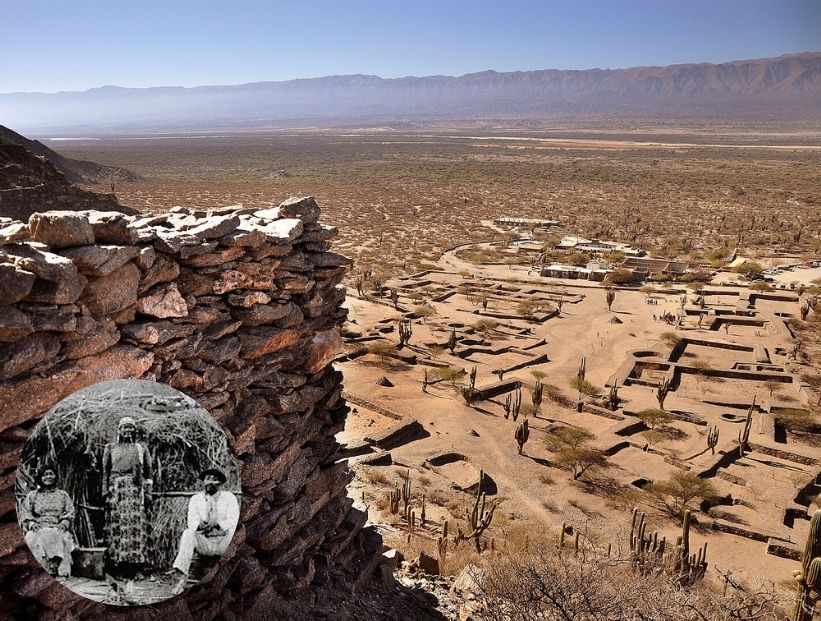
(236, 307)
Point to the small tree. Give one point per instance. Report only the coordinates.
(585, 388)
(682, 488)
(424, 311)
(579, 459)
(653, 417)
(383, 349)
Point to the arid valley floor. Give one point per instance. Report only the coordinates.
(415, 209)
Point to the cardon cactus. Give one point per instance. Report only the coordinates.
(452, 340)
(613, 398)
(809, 578)
(517, 403)
(712, 438)
(522, 434)
(472, 377)
(405, 332)
(479, 518)
(744, 432)
(662, 390)
(538, 394)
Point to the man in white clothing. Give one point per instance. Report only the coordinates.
(213, 515)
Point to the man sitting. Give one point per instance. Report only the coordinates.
(212, 519)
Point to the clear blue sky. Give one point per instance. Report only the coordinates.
(78, 44)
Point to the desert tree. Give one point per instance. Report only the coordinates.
(653, 417)
(675, 494)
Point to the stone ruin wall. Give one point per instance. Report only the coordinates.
(236, 307)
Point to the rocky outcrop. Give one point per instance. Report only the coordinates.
(75, 171)
(30, 183)
(239, 309)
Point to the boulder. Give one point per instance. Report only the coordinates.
(256, 342)
(114, 291)
(163, 301)
(61, 229)
(215, 226)
(14, 324)
(15, 283)
(33, 396)
(27, 354)
(322, 349)
(100, 260)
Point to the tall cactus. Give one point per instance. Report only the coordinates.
(522, 434)
(405, 332)
(744, 432)
(472, 377)
(613, 397)
(508, 405)
(425, 381)
(452, 340)
(517, 403)
(610, 296)
(394, 497)
(647, 550)
(582, 372)
(395, 298)
(406, 491)
(538, 394)
(661, 391)
(712, 438)
(809, 577)
(479, 518)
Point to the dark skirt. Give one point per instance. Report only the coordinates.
(126, 526)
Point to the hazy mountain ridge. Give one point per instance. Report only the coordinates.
(786, 86)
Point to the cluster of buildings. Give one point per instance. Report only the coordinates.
(640, 266)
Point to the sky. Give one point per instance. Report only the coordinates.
(54, 45)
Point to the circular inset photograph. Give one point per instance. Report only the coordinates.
(128, 492)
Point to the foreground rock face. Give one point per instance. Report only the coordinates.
(236, 308)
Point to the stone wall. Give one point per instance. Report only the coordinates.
(238, 308)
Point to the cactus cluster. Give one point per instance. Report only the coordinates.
(522, 434)
(405, 331)
(809, 577)
(650, 553)
(513, 403)
(744, 432)
(662, 390)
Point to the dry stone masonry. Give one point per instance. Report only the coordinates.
(238, 308)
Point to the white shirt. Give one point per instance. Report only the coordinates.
(222, 508)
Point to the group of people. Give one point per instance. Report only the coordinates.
(47, 514)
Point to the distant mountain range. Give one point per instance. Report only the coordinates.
(783, 87)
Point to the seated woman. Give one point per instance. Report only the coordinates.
(46, 516)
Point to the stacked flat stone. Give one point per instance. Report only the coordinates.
(236, 307)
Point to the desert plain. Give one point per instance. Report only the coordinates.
(480, 325)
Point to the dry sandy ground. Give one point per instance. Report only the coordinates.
(538, 495)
